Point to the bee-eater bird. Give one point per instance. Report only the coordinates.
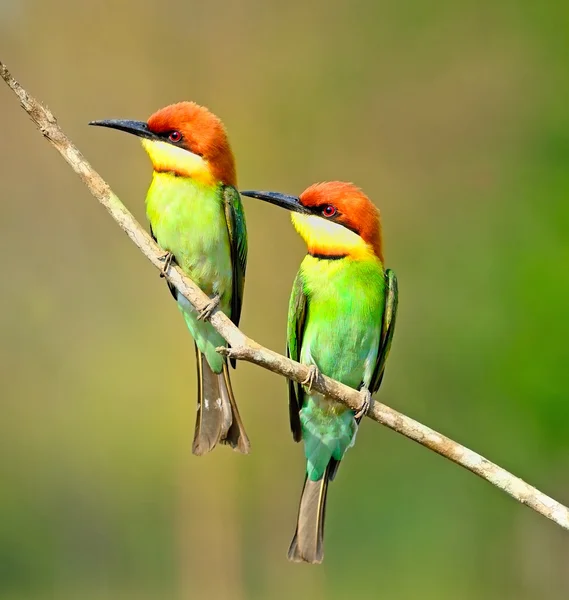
(196, 216)
(340, 323)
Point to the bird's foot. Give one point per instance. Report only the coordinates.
(313, 375)
(365, 405)
(238, 352)
(167, 259)
(205, 312)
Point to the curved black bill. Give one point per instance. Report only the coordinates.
(138, 128)
(283, 200)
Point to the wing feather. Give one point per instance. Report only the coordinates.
(296, 320)
(235, 217)
(387, 329)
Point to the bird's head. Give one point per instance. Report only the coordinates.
(185, 139)
(334, 218)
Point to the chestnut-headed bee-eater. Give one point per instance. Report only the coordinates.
(340, 323)
(196, 216)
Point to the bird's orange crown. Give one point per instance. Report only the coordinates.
(347, 222)
(195, 144)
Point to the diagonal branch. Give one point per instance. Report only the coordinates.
(247, 349)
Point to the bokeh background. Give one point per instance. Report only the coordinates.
(453, 117)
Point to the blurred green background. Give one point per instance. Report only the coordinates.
(453, 117)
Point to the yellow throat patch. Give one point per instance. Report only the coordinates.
(328, 238)
(168, 158)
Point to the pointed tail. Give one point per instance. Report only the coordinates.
(308, 542)
(218, 418)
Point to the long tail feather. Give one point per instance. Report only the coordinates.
(236, 436)
(218, 419)
(308, 542)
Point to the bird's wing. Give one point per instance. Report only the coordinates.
(235, 217)
(387, 329)
(295, 331)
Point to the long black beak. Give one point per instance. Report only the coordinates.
(283, 200)
(138, 128)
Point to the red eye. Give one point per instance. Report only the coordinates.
(329, 211)
(175, 136)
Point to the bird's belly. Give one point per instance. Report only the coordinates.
(194, 229)
(345, 353)
(343, 324)
(203, 255)
(341, 338)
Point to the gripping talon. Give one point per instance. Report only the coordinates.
(366, 403)
(205, 312)
(313, 375)
(167, 258)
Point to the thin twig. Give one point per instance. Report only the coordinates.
(244, 348)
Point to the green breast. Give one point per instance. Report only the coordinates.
(188, 219)
(346, 300)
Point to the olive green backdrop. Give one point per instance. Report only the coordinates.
(453, 117)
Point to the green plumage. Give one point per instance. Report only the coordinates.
(344, 303)
(203, 226)
(341, 320)
(189, 220)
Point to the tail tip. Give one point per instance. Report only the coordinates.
(199, 448)
(242, 446)
(294, 554)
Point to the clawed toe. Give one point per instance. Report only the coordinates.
(365, 406)
(313, 375)
(167, 258)
(205, 312)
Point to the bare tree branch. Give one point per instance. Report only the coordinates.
(247, 349)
